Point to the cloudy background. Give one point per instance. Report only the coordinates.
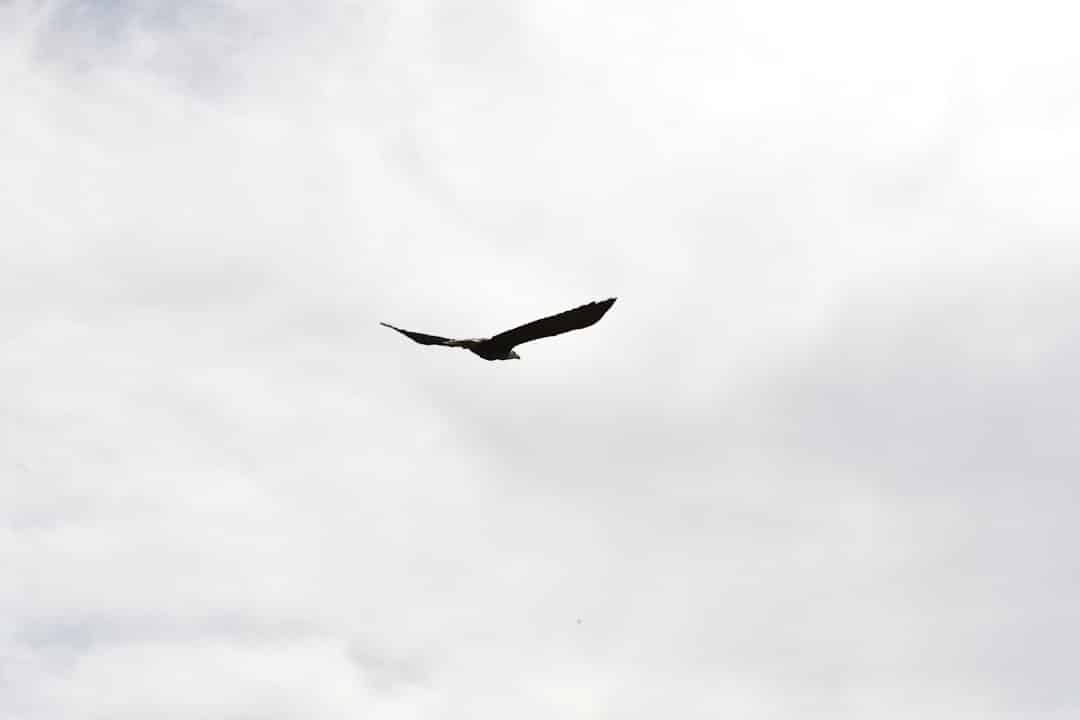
(818, 462)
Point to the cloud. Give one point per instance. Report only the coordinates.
(817, 460)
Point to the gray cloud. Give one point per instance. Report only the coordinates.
(817, 460)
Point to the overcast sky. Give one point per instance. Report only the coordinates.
(819, 461)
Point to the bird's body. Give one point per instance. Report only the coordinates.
(501, 346)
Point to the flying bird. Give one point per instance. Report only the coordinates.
(501, 346)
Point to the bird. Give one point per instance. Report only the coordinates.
(501, 346)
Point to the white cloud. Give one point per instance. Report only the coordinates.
(817, 461)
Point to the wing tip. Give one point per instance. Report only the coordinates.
(392, 327)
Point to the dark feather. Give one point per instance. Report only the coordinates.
(579, 317)
(419, 337)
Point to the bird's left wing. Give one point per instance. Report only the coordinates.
(579, 317)
(419, 337)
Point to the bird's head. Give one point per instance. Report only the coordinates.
(513, 356)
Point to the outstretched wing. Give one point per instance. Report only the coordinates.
(419, 337)
(579, 317)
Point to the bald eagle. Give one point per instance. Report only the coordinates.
(501, 346)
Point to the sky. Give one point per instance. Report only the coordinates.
(819, 460)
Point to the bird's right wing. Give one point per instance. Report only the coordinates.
(576, 319)
(420, 337)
